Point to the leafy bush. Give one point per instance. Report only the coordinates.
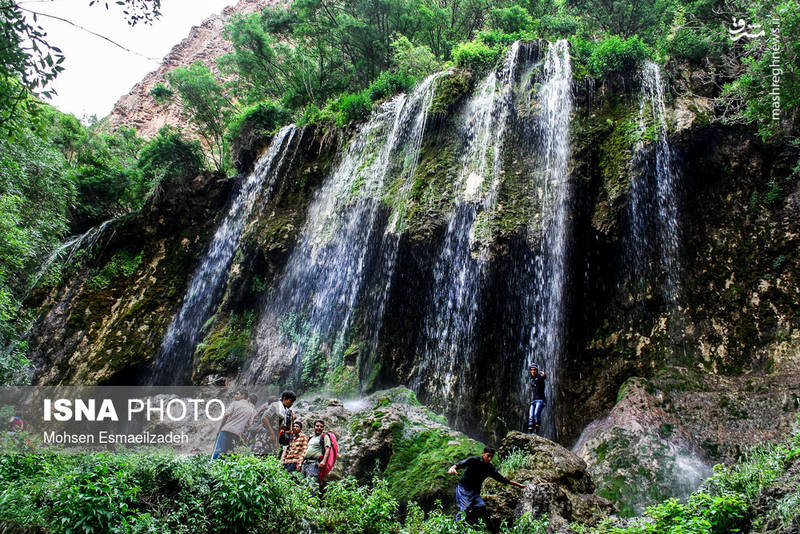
(352, 107)
(162, 94)
(616, 55)
(557, 25)
(101, 493)
(388, 84)
(169, 156)
(414, 61)
(262, 119)
(689, 44)
(475, 55)
(511, 19)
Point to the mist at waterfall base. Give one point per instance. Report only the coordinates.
(329, 304)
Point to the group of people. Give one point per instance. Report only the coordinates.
(274, 429)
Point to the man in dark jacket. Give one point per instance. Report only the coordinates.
(537, 401)
(468, 490)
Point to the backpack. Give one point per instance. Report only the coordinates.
(285, 432)
(332, 457)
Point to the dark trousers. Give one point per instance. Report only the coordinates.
(535, 413)
(226, 442)
(291, 467)
(467, 499)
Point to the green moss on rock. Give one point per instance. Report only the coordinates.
(418, 467)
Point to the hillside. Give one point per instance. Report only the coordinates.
(205, 43)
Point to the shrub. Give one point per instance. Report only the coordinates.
(615, 55)
(557, 25)
(168, 155)
(312, 114)
(511, 19)
(162, 94)
(475, 55)
(497, 39)
(689, 44)
(352, 107)
(388, 84)
(261, 119)
(416, 61)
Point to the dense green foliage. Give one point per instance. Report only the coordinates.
(166, 493)
(169, 155)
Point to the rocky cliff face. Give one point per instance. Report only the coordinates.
(205, 43)
(717, 364)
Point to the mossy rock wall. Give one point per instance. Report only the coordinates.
(105, 321)
(739, 206)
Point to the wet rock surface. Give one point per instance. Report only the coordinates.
(665, 433)
(107, 318)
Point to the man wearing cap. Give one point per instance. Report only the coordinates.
(538, 400)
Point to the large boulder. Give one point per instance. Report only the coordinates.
(390, 434)
(558, 485)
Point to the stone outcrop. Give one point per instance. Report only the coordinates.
(559, 485)
(390, 433)
(665, 433)
(205, 43)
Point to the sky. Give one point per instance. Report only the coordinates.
(97, 73)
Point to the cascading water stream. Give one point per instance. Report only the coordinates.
(546, 339)
(653, 207)
(174, 363)
(309, 314)
(452, 313)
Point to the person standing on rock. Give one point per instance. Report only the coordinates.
(277, 421)
(317, 451)
(468, 489)
(233, 424)
(538, 400)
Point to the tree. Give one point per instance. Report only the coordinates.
(207, 106)
(627, 17)
(169, 156)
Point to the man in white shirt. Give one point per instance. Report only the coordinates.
(237, 416)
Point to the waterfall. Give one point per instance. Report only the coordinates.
(451, 317)
(550, 272)
(653, 205)
(308, 316)
(174, 363)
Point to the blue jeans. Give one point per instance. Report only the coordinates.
(226, 441)
(535, 413)
(466, 499)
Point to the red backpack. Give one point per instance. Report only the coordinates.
(332, 457)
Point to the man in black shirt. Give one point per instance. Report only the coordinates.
(468, 490)
(538, 400)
